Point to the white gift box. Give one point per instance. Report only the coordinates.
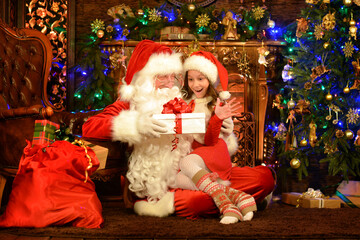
(187, 122)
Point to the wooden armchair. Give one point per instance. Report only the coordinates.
(25, 62)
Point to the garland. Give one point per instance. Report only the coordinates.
(96, 88)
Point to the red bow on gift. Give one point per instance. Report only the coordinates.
(177, 106)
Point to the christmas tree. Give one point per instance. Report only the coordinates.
(320, 102)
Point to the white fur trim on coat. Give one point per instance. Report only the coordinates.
(204, 66)
(124, 127)
(162, 64)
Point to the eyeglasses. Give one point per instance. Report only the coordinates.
(168, 80)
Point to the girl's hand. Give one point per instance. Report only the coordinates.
(228, 110)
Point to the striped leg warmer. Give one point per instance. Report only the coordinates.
(205, 183)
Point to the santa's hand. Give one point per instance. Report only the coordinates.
(227, 127)
(150, 126)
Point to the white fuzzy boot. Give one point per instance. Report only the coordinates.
(162, 208)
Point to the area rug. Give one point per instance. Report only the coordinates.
(279, 221)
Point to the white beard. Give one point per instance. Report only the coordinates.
(152, 164)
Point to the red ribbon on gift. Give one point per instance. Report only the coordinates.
(177, 106)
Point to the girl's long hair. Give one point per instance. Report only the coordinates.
(187, 93)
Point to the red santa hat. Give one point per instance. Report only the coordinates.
(207, 63)
(148, 60)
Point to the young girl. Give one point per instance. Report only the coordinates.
(211, 159)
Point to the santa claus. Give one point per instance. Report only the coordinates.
(151, 81)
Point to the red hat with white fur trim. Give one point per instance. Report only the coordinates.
(207, 63)
(148, 60)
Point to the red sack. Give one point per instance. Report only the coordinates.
(49, 188)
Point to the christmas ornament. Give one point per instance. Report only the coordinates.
(258, 12)
(263, 52)
(318, 31)
(329, 97)
(357, 139)
(352, 28)
(339, 133)
(312, 1)
(352, 116)
(346, 90)
(349, 134)
(348, 49)
(302, 26)
(281, 134)
(243, 63)
(356, 84)
(326, 44)
(302, 106)
(191, 7)
(347, 2)
(230, 27)
(303, 142)
(291, 104)
(214, 26)
(295, 163)
(277, 101)
(357, 2)
(97, 25)
(326, 1)
(125, 32)
(312, 134)
(356, 67)
(336, 109)
(122, 10)
(287, 73)
(202, 20)
(330, 148)
(216, 12)
(329, 21)
(109, 29)
(318, 72)
(117, 59)
(271, 23)
(308, 85)
(140, 12)
(291, 119)
(100, 33)
(154, 15)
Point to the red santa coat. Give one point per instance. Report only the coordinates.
(257, 181)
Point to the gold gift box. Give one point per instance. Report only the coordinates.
(294, 198)
(100, 152)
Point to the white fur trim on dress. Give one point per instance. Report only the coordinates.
(232, 144)
(203, 65)
(124, 127)
(163, 208)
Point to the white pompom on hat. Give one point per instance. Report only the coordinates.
(207, 63)
(148, 60)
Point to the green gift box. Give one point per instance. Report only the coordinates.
(44, 132)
